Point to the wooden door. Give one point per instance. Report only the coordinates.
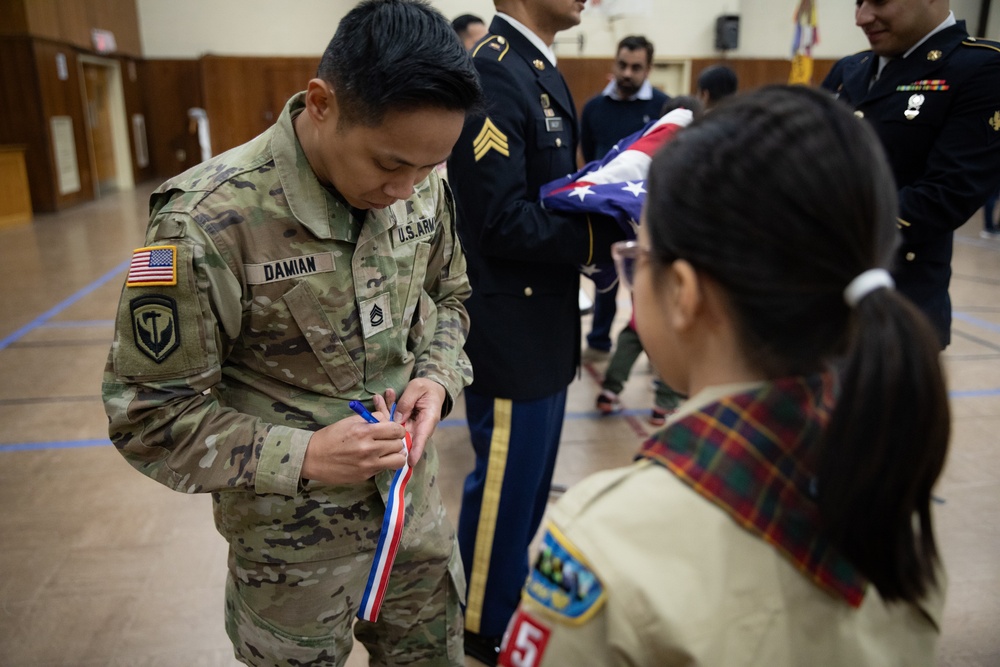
(97, 85)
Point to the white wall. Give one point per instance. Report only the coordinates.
(678, 28)
(192, 28)
(767, 29)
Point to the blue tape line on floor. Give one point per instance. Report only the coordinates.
(52, 312)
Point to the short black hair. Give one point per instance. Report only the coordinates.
(719, 81)
(462, 23)
(634, 42)
(397, 54)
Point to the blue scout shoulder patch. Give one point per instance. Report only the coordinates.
(562, 582)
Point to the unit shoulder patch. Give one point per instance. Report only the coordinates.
(155, 326)
(562, 582)
(161, 330)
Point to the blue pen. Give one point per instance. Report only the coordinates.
(363, 411)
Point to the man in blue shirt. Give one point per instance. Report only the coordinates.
(627, 103)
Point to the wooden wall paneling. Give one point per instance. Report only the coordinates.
(169, 88)
(756, 72)
(13, 17)
(15, 193)
(70, 21)
(284, 78)
(585, 77)
(232, 89)
(243, 96)
(822, 67)
(119, 17)
(135, 105)
(21, 121)
(74, 21)
(43, 18)
(64, 98)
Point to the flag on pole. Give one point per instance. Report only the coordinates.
(614, 186)
(806, 36)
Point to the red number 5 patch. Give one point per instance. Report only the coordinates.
(525, 642)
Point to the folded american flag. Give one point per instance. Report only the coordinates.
(614, 186)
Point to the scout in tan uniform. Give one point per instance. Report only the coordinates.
(315, 265)
(782, 516)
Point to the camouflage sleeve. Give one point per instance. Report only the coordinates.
(172, 335)
(447, 287)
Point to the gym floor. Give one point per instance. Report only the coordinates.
(101, 566)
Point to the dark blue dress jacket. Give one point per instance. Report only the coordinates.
(937, 113)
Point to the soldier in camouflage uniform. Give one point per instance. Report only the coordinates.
(315, 265)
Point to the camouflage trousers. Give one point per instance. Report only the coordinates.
(303, 613)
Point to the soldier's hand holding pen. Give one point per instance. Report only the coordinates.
(352, 450)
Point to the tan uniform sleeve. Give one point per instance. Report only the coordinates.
(562, 618)
(574, 609)
(171, 339)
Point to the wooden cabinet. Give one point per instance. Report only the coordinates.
(15, 194)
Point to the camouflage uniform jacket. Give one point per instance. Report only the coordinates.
(284, 309)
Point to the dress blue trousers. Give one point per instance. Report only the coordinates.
(504, 499)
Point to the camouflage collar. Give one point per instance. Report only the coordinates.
(315, 207)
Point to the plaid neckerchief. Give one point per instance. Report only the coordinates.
(752, 455)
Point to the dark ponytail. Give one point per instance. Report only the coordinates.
(783, 197)
(885, 447)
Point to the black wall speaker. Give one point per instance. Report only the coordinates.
(727, 32)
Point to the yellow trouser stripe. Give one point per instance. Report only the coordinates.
(488, 510)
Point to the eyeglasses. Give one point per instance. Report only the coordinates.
(626, 254)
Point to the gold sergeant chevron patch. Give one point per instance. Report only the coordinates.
(490, 138)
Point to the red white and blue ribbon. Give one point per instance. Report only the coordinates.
(388, 541)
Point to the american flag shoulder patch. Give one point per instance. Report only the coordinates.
(153, 265)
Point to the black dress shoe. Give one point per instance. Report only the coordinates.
(483, 648)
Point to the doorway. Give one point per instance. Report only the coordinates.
(671, 76)
(105, 120)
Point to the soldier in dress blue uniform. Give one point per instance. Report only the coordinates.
(932, 94)
(523, 264)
